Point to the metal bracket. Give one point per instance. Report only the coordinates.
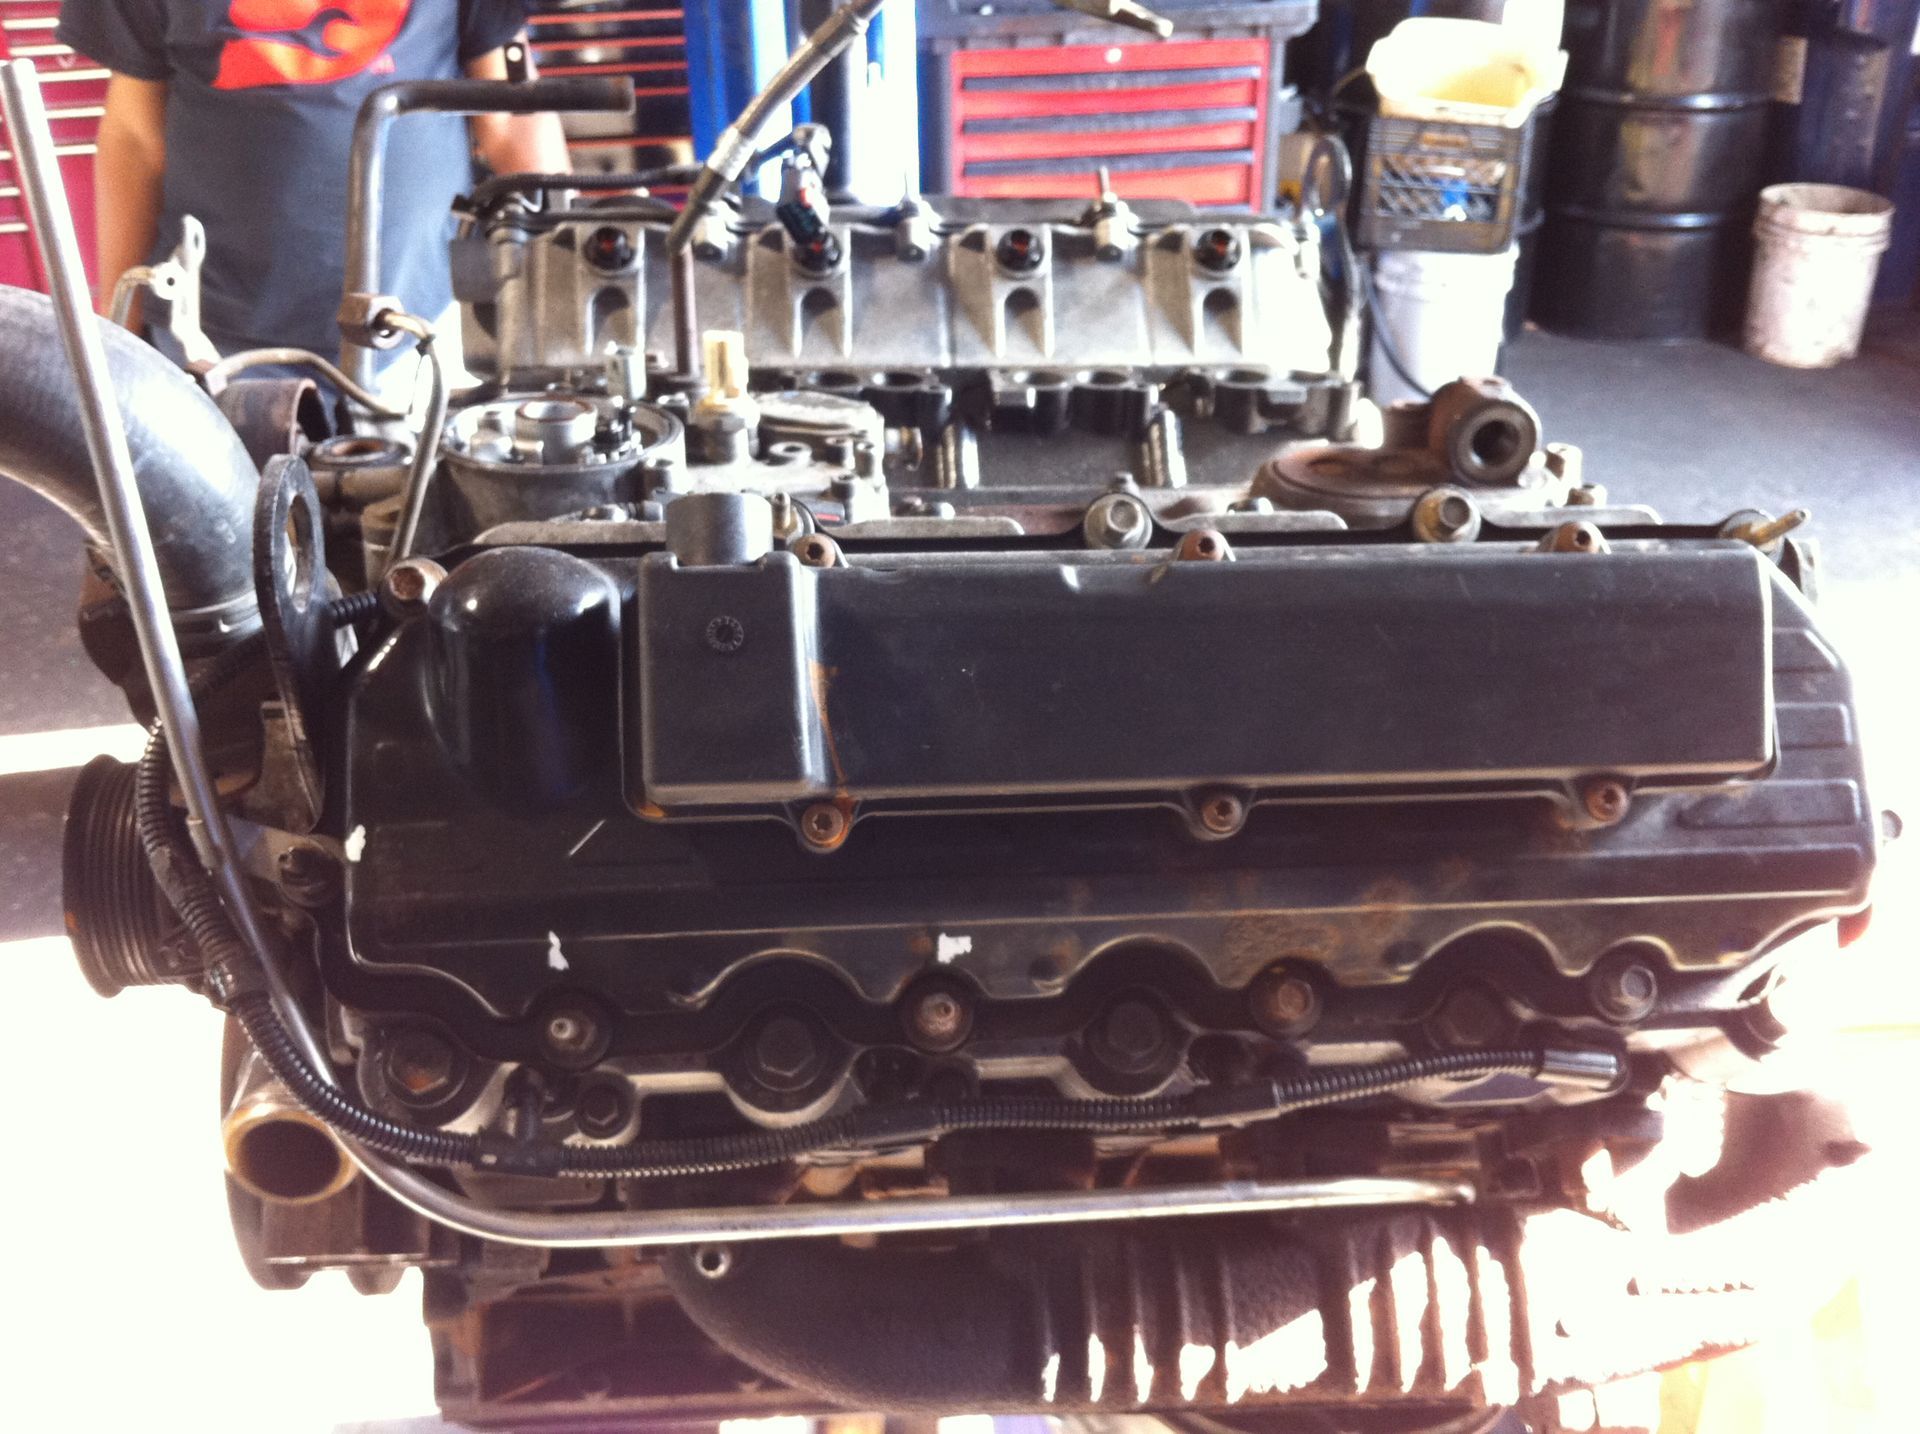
(176, 279)
(290, 577)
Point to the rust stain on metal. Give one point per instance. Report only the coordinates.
(1256, 941)
(1210, 892)
(1452, 876)
(1384, 913)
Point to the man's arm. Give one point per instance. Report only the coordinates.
(516, 144)
(127, 167)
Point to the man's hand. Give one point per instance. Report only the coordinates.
(516, 144)
(127, 166)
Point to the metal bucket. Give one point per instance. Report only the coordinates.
(1818, 250)
(1656, 156)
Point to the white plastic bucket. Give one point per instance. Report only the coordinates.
(1818, 248)
(1444, 312)
(1467, 71)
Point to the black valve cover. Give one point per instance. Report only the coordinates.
(1021, 741)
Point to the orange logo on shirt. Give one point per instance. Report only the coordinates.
(305, 42)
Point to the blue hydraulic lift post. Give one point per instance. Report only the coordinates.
(734, 46)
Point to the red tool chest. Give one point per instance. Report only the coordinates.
(646, 43)
(1022, 100)
(75, 89)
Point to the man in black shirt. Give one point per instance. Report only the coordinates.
(240, 113)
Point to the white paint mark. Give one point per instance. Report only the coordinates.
(1142, 1370)
(1050, 1377)
(1289, 1357)
(592, 832)
(356, 843)
(1096, 1368)
(1196, 1361)
(556, 958)
(947, 949)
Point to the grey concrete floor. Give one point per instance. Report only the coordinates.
(1698, 430)
(1694, 429)
(46, 683)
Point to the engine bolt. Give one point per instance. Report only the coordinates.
(1469, 1017)
(409, 586)
(1204, 545)
(1566, 462)
(1118, 520)
(1223, 813)
(608, 249)
(573, 1036)
(816, 550)
(823, 826)
(1624, 993)
(1576, 537)
(1446, 515)
(1217, 249)
(604, 1108)
(308, 875)
(726, 634)
(1604, 799)
(1122, 519)
(785, 1054)
(1283, 1002)
(421, 1067)
(1132, 1037)
(938, 1019)
(1020, 250)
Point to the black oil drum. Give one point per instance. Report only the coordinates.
(1657, 155)
(1532, 217)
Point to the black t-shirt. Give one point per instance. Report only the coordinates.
(261, 99)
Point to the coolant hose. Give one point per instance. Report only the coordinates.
(195, 479)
